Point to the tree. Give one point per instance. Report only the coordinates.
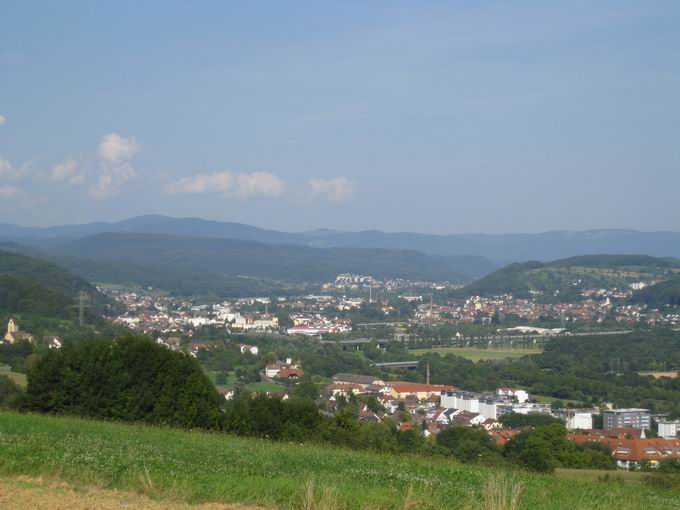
(10, 393)
(467, 444)
(129, 379)
(306, 389)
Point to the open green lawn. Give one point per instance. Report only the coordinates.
(19, 379)
(256, 387)
(478, 354)
(197, 467)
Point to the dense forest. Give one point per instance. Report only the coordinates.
(231, 257)
(660, 294)
(33, 285)
(563, 280)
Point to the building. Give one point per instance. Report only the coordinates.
(252, 349)
(14, 334)
(287, 370)
(629, 453)
(402, 390)
(668, 428)
(575, 419)
(364, 381)
(52, 342)
(520, 395)
(627, 418)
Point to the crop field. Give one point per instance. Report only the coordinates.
(197, 467)
(478, 354)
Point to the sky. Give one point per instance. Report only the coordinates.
(429, 116)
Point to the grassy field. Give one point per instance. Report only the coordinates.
(585, 475)
(18, 378)
(478, 354)
(196, 467)
(256, 387)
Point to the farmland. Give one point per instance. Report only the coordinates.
(198, 467)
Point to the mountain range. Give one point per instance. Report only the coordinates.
(190, 255)
(499, 248)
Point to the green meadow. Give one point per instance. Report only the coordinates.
(193, 467)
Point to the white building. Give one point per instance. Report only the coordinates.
(520, 395)
(668, 429)
(575, 419)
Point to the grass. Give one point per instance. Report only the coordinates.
(195, 467)
(19, 379)
(256, 387)
(478, 354)
(622, 477)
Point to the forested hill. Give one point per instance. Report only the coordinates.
(32, 285)
(497, 247)
(283, 262)
(567, 277)
(664, 293)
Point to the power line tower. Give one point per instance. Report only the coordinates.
(83, 299)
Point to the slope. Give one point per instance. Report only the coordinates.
(198, 467)
(288, 263)
(566, 278)
(30, 282)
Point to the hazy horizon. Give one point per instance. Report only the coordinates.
(436, 117)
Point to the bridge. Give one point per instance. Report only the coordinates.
(357, 343)
(397, 364)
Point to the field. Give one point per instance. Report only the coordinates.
(194, 467)
(19, 379)
(256, 387)
(478, 354)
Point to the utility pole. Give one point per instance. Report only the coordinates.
(427, 374)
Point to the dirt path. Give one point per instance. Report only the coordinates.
(39, 494)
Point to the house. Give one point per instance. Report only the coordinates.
(52, 342)
(344, 389)
(14, 334)
(290, 373)
(629, 453)
(359, 380)
(290, 370)
(502, 436)
(403, 390)
(252, 349)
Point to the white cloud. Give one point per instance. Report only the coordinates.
(115, 164)
(113, 148)
(335, 190)
(2, 120)
(9, 192)
(66, 171)
(8, 172)
(230, 183)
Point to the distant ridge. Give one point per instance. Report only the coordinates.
(496, 247)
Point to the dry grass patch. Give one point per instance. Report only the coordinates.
(43, 494)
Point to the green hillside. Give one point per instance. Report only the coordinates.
(660, 294)
(565, 278)
(20, 295)
(287, 263)
(195, 467)
(34, 285)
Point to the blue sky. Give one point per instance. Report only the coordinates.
(444, 117)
